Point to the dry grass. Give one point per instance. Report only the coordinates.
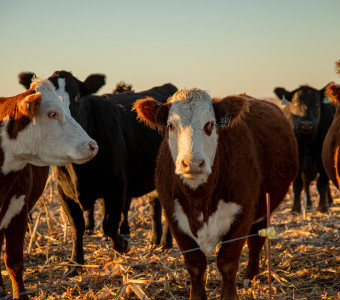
(305, 259)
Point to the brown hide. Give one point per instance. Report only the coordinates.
(255, 156)
(330, 149)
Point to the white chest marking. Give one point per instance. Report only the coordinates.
(14, 208)
(218, 224)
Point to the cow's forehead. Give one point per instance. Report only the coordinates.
(48, 92)
(305, 94)
(189, 105)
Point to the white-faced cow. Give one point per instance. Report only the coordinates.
(217, 161)
(36, 130)
(311, 119)
(331, 145)
(123, 168)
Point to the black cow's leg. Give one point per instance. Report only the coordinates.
(124, 224)
(2, 287)
(14, 253)
(89, 221)
(329, 196)
(297, 188)
(323, 187)
(166, 241)
(113, 209)
(156, 220)
(306, 184)
(77, 223)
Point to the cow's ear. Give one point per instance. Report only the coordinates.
(151, 112)
(29, 105)
(230, 110)
(25, 79)
(283, 95)
(333, 92)
(93, 83)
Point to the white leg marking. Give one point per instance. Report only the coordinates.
(214, 229)
(14, 208)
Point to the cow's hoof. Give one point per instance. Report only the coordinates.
(322, 208)
(89, 231)
(121, 247)
(296, 209)
(73, 272)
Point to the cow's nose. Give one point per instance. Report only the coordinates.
(306, 125)
(193, 166)
(93, 148)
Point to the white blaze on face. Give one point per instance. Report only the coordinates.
(14, 208)
(190, 114)
(212, 231)
(56, 139)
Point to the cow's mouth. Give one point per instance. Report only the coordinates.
(306, 130)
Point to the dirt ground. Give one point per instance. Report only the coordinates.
(305, 258)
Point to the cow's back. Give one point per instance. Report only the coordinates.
(276, 148)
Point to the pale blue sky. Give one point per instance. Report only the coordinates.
(225, 47)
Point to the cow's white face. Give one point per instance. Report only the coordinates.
(192, 135)
(53, 137)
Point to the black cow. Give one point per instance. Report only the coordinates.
(311, 118)
(123, 169)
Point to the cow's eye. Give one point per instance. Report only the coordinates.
(208, 128)
(54, 115)
(171, 126)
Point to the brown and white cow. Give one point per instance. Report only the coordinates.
(217, 161)
(331, 144)
(36, 130)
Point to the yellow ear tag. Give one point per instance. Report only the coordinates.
(269, 233)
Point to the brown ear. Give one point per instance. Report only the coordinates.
(230, 110)
(29, 106)
(338, 67)
(151, 112)
(333, 92)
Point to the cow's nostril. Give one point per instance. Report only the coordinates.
(94, 148)
(184, 164)
(201, 165)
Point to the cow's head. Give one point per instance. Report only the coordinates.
(191, 121)
(67, 86)
(305, 105)
(36, 127)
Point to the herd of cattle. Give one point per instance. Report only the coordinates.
(211, 161)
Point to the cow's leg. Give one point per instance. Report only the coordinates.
(196, 264)
(89, 221)
(2, 287)
(14, 253)
(124, 227)
(166, 241)
(329, 196)
(77, 223)
(228, 261)
(297, 188)
(156, 220)
(255, 245)
(114, 205)
(306, 184)
(323, 188)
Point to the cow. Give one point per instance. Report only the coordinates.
(124, 168)
(311, 118)
(36, 131)
(217, 161)
(331, 144)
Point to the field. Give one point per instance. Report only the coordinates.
(305, 258)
